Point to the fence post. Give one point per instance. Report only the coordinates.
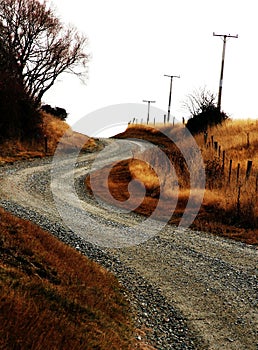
(230, 170)
(216, 146)
(238, 172)
(247, 140)
(223, 160)
(248, 169)
(165, 118)
(212, 140)
(219, 151)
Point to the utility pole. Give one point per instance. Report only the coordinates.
(170, 92)
(149, 102)
(224, 36)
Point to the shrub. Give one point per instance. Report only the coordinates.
(203, 110)
(56, 112)
(209, 117)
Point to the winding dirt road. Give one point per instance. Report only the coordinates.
(212, 281)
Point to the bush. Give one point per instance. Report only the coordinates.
(209, 117)
(57, 112)
(203, 110)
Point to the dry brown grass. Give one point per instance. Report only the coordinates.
(232, 136)
(53, 128)
(143, 172)
(225, 210)
(231, 201)
(235, 196)
(52, 297)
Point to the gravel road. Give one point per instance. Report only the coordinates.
(192, 290)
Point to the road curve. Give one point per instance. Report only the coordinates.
(210, 280)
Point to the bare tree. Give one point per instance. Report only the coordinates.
(199, 101)
(39, 45)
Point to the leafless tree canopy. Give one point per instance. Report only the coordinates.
(39, 47)
(199, 101)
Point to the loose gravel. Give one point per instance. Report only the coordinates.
(189, 290)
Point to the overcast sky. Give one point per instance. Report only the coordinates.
(134, 43)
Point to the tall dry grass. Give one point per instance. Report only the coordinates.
(53, 129)
(233, 137)
(239, 140)
(233, 194)
(229, 207)
(52, 297)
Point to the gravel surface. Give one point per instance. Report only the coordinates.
(192, 290)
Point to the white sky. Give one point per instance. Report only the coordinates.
(134, 43)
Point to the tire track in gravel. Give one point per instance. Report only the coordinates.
(211, 281)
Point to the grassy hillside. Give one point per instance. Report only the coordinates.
(229, 207)
(52, 297)
(53, 128)
(230, 194)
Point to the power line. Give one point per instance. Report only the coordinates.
(170, 92)
(224, 36)
(148, 115)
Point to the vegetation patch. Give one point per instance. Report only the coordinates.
(52, 297)
(45, 143)
(229, 207)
